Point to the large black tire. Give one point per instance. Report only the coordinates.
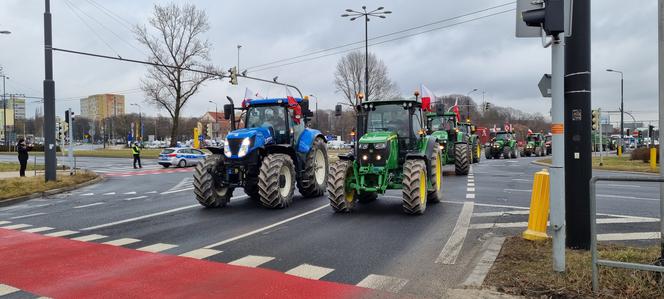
(487, 153)
(342, 199)
(513, 153)
(312, 181)
(461, 161)
(436, 176)
(506, 152)
(276, 181)
(414, 187)
(251, 189)
(209, 192)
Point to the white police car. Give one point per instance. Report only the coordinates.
(180, 156)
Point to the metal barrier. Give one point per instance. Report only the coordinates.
(593, 231)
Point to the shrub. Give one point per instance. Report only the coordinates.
(643, 154)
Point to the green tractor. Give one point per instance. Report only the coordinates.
(503, 143)
(454, 140)
(473, 141)
(535, 145)
(393, 152)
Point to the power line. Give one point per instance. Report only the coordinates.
(90, 27)
(385, 41)
(122, 21)
(382, 36)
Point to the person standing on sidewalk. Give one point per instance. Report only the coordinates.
(136, 150)
(22, 155)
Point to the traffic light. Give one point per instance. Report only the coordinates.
(486, 106)
(233, 75)
(67, 116)
(209, 129)
(627, 133)
(551, 17)
(595, 120)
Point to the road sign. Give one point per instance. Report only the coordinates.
(545, 85)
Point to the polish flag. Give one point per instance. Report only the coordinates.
(292, 104)
(248, 95)
(530, 132)
(455, 108)
(427, 97)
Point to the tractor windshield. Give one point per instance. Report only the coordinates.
(268, 117)
(392, 118)
(503, 136)
(442, 123)
(533, 138)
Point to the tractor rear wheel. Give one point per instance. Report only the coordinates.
(506, 152)
(276, 181)
(436, 176)
(461, 162)
(414, 187)
(342, 199)
(208, 188)
(312, 182)
(487, 153)
(513, 153)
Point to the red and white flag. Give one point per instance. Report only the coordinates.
(248, 95)
(427, 97)
(292, 104)
(530, 132)
(455, 108)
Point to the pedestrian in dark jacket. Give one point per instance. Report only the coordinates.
(136, 151)
(22, 149)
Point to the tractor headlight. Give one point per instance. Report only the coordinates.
(227, 149)
(529, 146)
(365, 157)
(363, 146)
(380, 146)
(378, 157)
(244, 147)
(441, 146)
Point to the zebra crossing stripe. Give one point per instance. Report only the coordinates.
(159, 247)
(122, 242)
(310, 271)
(383, 283)
(251, 261)
(6, 290)
(200, 253)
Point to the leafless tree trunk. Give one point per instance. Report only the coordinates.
(349, 78)
(177, 42)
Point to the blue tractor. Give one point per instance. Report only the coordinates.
(269, 156)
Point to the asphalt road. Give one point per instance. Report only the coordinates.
(376, 246)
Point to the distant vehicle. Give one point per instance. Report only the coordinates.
(180, 157)
(335, 144)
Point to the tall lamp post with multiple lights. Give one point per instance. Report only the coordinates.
(468, 108)
(622, 108)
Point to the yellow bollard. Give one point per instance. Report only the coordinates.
(539, 208)
(619, 151)
(653, 158)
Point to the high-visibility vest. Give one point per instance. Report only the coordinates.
(135, 150)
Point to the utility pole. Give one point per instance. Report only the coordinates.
(50, 158)
(4, 109)
(71, 141)
(660, 43)
(578, 158)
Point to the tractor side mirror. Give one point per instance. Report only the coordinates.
(337, 110)
(228, 111)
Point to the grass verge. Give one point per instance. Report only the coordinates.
(14, 166)
(614, 163)
(15, 187)
(525, 268)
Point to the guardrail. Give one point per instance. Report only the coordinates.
(593, 232)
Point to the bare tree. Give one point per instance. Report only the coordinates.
(178, 42)
(349, 78)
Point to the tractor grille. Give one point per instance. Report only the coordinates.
(372, 156)
(234, 145)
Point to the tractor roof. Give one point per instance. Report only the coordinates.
(272, 101)
(394, 102)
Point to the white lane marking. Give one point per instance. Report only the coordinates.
(471, 181)
(471, 184)
(159, 247)
(267, 227)
(14, 207)
(201, 253)
(5, 222)
(140, 217)
(523, 180)
(504, 213)
(517, 190)
(62, 233)
(16, 226)
(87, 194)
(122, 242)
(151, 192)
(309, 271)
(251, 261)
(175, 191)
(6, 290)
(129, 193)
(625, 186)
(137, 197)
(88, 238)
(109, 193)
(89, 205)
(476, 278)
(454, 243)
(29, 215)
(470, 196)
(627, 197)
(37, 229)
(183, 184)
(472, 189)
(628, 236)
(383, 283)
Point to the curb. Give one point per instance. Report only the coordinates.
(479, 273)
(10, 201)
(607, 170)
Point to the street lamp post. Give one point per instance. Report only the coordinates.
(622, 108)
(238, 57)
(468, 96)
(5, 32)
(140, 119)
(4, 108)
(216, 114)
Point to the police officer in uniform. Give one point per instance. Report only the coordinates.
(136, 150)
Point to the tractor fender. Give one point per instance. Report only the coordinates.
(426, 154)
(215, 150)
(307, 139)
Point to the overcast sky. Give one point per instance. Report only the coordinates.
(481, 54)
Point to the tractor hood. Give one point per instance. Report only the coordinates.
(259, 133)
(440, 135)
(257, 137)
(499, 142)
(377, 137)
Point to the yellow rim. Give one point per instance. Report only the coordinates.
(438, 173)
(479, 151)
(423, 187)
(348, 195)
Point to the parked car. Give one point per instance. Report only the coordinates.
(180, 157)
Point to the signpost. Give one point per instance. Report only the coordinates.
(545, 85)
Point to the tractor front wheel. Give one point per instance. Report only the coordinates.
(487, 153)
(436, 176)
(342, 198)
(276, 181)
(208, 188)
(312, 183)
(506, 152)
(414, 187)
(461, 159)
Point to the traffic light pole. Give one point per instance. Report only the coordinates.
(660, 23)
(557, 169)
(71, 142)
(601, 144)
(50, 159)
